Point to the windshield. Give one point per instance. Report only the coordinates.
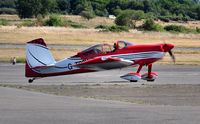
(97, 49)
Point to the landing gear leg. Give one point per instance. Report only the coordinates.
(150, 79)
(139, 69)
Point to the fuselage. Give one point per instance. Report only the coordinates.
(140, 55)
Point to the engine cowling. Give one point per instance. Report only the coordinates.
(152, 77)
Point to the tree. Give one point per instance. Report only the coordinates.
(81, 5)
(24, 9)
(7, 4)
(32, 8)
(129, 18)
(99, 7)
(83, 8)
(48, 6)
(124, 19)
(87, 14)
(64, 6)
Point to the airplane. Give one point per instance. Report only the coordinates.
(40, 62)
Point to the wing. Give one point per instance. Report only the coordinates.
(104, 63)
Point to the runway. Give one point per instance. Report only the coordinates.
(168, 74)
(24, 107)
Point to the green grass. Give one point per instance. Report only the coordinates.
(4, 22)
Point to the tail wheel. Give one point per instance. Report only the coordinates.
(30, 81)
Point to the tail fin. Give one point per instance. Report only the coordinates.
(37, 55)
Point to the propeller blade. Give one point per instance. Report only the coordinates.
(172, 56)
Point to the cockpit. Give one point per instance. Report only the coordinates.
(104, 48)
(97, 49)
(123, 44)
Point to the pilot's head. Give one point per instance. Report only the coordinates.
(115, 46)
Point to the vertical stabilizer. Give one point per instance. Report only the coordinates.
(37, 55)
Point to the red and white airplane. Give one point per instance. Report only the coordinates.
(40, 62)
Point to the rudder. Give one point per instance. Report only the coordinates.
(37, 55)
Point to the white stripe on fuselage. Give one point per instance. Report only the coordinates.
(140, 55)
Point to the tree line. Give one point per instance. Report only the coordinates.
(157, 9)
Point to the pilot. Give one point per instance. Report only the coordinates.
(115, 47)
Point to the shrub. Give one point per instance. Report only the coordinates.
(101, 27)
(54, 20)
(126, 18)
(8, 11)
(3, 22)
(118, 28)
(27, 23)
(39, 20)
(174, 18)
(177, 28)
(197, 30)
(21, 60)
(150, 25)
(114, 28)
(73, 24)
(87, 14)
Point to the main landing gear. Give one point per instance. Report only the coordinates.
(136, 76)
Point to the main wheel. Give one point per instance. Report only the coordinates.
(151, 80)
(133, 81)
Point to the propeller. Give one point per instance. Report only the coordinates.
(172, 56)
(167, 48)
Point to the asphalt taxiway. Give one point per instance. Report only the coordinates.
(24, 107)
(168, 74)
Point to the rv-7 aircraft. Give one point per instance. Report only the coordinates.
(40, 62)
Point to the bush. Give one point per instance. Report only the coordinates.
(114, 28)
(101, 27)
(126, 17)
(174, 18)
(177, 28)
(77, 25)
(8, 11)
(21, 60)
(54, 20)
(150, 25)
(39, 20)
(27, 23)
(87, 14)
(3, 22)
(73, 24)
(118, 28)
(197, 30)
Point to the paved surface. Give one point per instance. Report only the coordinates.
(24, 107)
(168, 74)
